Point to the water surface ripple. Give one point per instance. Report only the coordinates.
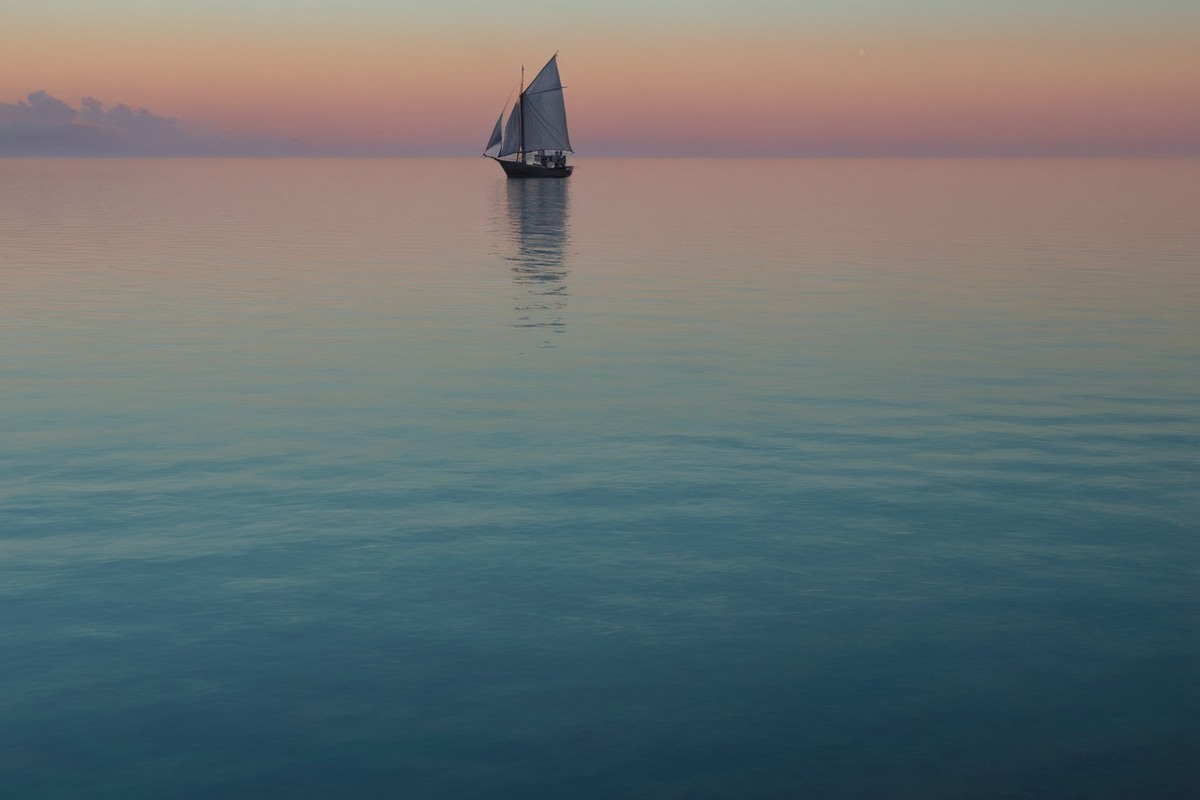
(703, 479)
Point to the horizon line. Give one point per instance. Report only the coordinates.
(602, 157)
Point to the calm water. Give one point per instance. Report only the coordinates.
(679, 479)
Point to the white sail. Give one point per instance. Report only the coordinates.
(545, 112)
(494, 140)
(540, 109)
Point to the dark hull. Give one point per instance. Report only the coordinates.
(515, 169)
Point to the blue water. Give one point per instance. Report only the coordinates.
(678, 479)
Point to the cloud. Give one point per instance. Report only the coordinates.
(141, 128)
(38, 109)
(43, 125)
(122, 116)
(47, 109)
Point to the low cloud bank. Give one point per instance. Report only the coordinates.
(43, 125)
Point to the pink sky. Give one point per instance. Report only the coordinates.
(717, 85)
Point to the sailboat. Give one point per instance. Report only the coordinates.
(533, 141)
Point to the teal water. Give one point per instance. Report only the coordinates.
(678, 479)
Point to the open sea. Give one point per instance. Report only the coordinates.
(676, 479)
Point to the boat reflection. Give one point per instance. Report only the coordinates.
(538, 229)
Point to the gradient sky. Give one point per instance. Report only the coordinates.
(755, 77)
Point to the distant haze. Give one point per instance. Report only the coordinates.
(762, 77)
(43, 125)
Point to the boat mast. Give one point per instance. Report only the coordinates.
(521, 104)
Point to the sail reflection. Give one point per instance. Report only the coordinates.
(538, 229)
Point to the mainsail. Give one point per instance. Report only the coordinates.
(538, 120)
(545, 113)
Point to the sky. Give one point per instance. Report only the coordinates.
(643, 77)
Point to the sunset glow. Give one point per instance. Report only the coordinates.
(766, 79)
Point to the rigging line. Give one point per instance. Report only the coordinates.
(505, 106)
